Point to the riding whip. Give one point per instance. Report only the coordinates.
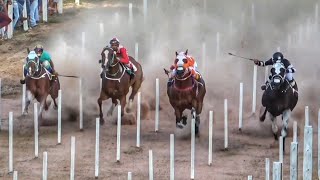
(250, 59)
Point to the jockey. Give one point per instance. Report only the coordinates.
(122, 54)
(278, 56)
(45, 60)
(191, 65)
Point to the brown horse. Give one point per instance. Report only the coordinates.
(185, 92)
(116, 83)
(38, 85)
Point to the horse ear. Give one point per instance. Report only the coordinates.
(186, 53)
(176, 53)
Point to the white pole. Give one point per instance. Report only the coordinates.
(138, 118)
(150, 165)
(145, 10)
(205, 6)
(294, 161)
(23, 92)
(59, 115)
(80, 105)
(10, 26)
(45, 11)
(77, 2)
(253, 18)
(83, 40)
(254, 89)
(306, 115)
(45, 166)
(277, 171)
(171, 156)
(281, 149)
(241, 106)
(157, 106)
(192, 145)
(136, 51)
(96, 167)
(210, 137)
(295, 131)
(225, 124)
(129, 175)
(25, 15)
(318, 141)
(250, 177)
(73, 156)
(307, 153)
(266, 73)
(0, 105)
(218, 46)
(60, 7)
(15, 175)
(267, 169)
(118, 133)
(204, 58)
(316, 18)
(101, 27)
(130, 14)
(10, 142)
(36, 131)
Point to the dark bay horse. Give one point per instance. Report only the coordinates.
(38, 85)
(116, 83)
(186, 92)
(279, 98)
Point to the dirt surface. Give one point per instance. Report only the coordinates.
(247, 149)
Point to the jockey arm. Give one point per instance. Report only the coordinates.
(124, 56)
(263, 63)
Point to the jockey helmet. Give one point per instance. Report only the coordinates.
(277, 56)
(38, 49)
(114, 41)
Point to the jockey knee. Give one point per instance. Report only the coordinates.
(47, 65)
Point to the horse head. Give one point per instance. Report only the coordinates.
(32, 63)
(278, 73)
(112, 58)
(181, 61)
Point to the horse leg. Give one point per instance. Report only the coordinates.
(102, 97)
(285, 120)
(135, 89)
(178, 114)
(197, 125)
(29, 97)
(113, 105)
(55, 107)
(274, 127)
(123, 102)
(263, 115)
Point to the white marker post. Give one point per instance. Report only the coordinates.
(241, 106)
(316, 19)
(36, 131)
(96, 167)
(277, 171)
(25, 15)
(73, 157)
(253, 16)
(294, 160)
(24, 87)
(210, 137)
(254, 89)
(129, 175)
(306, 115)
(281, 149)
(80, 106)
(266, 73)
(45, 11)
(10, 142)
(267, 169)
(318, 141)
(83, 41)
(156, 129)
(138, 118)
(136, 51)
(45, 166)
(101, 28)
(217, 46)
(10, 26)
(15, 175)
(171, 156)
(250, 177)
(150, 165)
(77, 2)
(60, 7)
(225, 124)
(59, 115)
(192, 144)
(145, 10)
(130, 14)
(118, 133)
(307, 153)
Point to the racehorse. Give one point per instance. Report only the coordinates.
(39, 85)
(116, 83)
(279, 98)
(185, 92)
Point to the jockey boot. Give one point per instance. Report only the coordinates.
(131, 73)
(263, 87)
(22, 81)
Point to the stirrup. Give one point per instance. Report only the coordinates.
(263, 87)
(22, 81)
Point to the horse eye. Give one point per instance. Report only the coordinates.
(185, 60)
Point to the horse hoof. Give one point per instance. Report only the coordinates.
(25, 113)
(275, 137)
(262, 118)
(55, 107)
(179, 125)
(101, 121)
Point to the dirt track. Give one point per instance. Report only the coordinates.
(247, 150)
